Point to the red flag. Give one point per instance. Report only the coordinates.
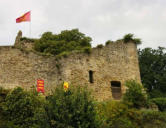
(25, 18)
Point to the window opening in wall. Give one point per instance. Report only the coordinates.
(116, 90)
(91, 76)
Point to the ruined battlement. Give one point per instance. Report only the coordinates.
(104, 70)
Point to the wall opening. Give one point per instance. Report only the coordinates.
(91, 76)
(116, 90)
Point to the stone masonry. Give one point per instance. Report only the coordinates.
(103, 70)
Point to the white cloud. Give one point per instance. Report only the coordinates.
(100, 19)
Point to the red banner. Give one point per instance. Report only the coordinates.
(40, 86)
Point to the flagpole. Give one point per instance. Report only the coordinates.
(30, 29)
(30, 25)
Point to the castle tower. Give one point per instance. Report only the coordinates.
(105, 70)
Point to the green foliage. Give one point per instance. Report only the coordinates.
(66, 41)
(114, 115)
(24, 110)
(63, 54)
(160, 102)
(27, 39)
(3, 94)
(153, 71)
(100, 46)
(108, 42)
(135, 94)
(153, 119)
(119, 40)
(71, 109)
(130, 37)
(87, 50)
(137, 41)
(74, 108)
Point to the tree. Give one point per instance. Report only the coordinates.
(23, 109)
(71, 109)
(66, 41)
(153, 70)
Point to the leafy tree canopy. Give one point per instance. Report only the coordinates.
(66, 41)
(24, 109)
(153, 70)
(72, 109)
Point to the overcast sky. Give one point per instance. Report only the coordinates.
(100, 19)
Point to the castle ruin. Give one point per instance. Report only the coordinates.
(104, 70)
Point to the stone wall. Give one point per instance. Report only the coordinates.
(114, 62)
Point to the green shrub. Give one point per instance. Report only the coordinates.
(115, 114)
(135, 94)
(108, 42)
(160, 102)
(88, 50)
(66, 41)
(3, 94)
(100, 46)
(71, 109)
(119, 40)
(27, 39)
(130, 37)
(153, 119)
(63, 54)
(137, 41)
(24, 110)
